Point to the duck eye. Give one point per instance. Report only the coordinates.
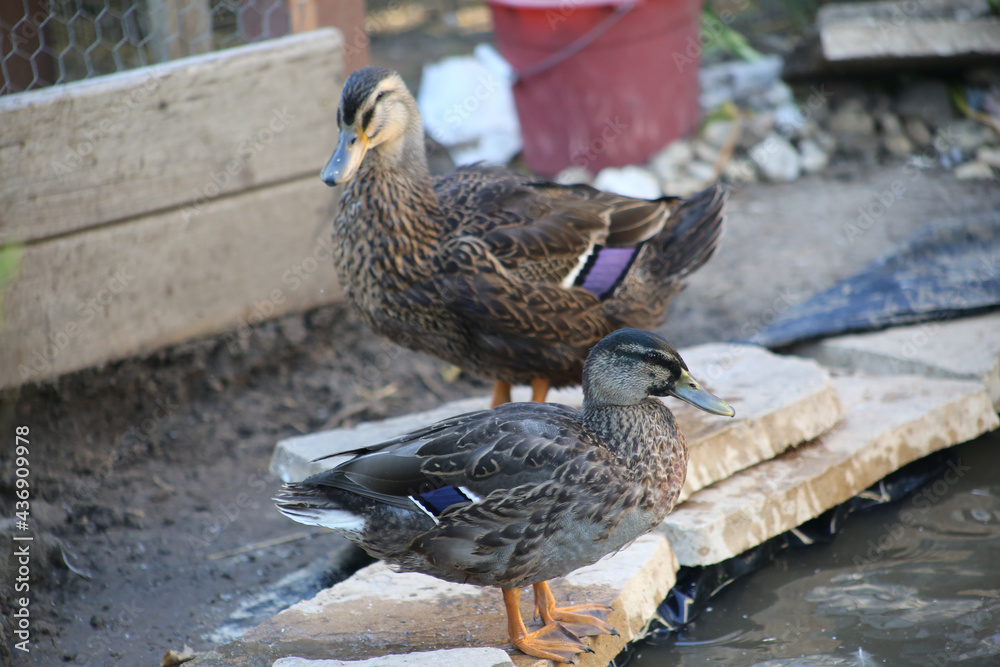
(652, 357)
(380, 95)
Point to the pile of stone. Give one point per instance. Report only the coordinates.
(758, 129)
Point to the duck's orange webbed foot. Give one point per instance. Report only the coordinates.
(582, 620)
(552, 642)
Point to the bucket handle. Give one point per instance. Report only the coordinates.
(578, 44)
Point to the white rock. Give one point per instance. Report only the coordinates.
(826, 141)
(898, 144)
(701, 171)
(990, 156)
(778, 160)
(675, 154)
(740, 170)
(789, 121)
(629, 181)
(717, 132)
(682, 186)
(779, 94)
(918, 132)
(966, 134)
(889, 123)
(737, 80)
(809, 129)
(669, 163)
(974, 170)
(706, 152)
(573, 175)
(852, 118)
(812, 158)
(755, 129)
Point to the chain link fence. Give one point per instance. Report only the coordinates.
(47, 42)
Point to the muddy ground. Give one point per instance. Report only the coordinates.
(151, 511)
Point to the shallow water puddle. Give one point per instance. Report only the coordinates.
(914, 583)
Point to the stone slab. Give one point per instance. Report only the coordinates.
(377, 613)
(964, 349)
(456, 657)
(888, 422)
(780, 402)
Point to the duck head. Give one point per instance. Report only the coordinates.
(629, 365)
(376, 113)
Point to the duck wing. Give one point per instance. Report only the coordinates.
(463, 459)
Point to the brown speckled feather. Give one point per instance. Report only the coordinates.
(483, 267)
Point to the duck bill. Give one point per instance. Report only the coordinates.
(351, 149)
(688, 390)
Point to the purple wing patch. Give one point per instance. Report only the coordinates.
(605, 269)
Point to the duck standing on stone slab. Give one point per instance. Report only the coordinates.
(501, 274)
(525, 492)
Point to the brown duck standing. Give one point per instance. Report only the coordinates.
(525, 492)
(503, 275)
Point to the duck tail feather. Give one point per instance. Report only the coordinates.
(694, 237)
(314, 506)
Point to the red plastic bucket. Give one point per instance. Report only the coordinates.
(603, 82)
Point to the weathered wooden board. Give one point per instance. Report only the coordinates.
(84, 299)
(180, 134)
(860, 36)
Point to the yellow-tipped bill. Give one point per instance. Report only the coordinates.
(688, 390)
(351, 149)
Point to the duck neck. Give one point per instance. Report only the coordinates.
(394, 183)
(640, 433)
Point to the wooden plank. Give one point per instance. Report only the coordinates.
(183, 133)
(860, 40)
(347, 15)
(886, 35)
(84, 299)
